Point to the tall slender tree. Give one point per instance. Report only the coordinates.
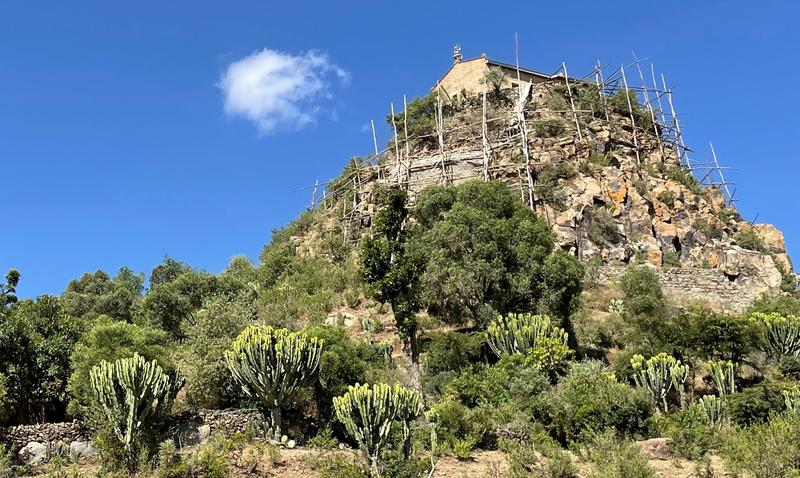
(393, 273)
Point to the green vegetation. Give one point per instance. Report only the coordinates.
(748, 239)
(272, 365)
(369, 412)
(625, 103)
(668, 198)
(508, 343)
(549, 128)
(602, 228)
(135, 396)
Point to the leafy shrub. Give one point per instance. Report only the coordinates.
(324, 439)
(668, 198)
(602, 228)
(111, 341)
(476, 230)
(615, 458)
(600, 159)
(619, 104)
(748, 239)
(589, 397)
(420, 116)
(690, 435)
(756, 404)
(685, 177)
(208, 382)
(767, 450)
(333, 465)
(643, 294)
(784, 305)
(343, 362)
(451, 351)
(549, 128)
(727, 215)
(510, 379)
(547, 187)
(670, 258)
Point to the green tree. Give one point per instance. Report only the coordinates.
(111, 340)
(171, 304)
(8, 291)
(487, 253)
(98, 294)
(643, 294)
(392, 272)
(36, 340)
(219, 321)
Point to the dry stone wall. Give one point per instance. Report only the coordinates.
(721, 292)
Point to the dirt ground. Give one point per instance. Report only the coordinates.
(303, 463)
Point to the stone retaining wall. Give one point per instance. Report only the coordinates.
(187, 427)
(685, 285)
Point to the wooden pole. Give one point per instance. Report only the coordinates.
(603, 89)
(314, 195)
(405, 133)
(658, 96)
(439, 128)
(684, 154)
(719, 171)
(396, 147)
(572, 101)
(524, 134)
(649, 106)
(374, 138)
(630, 109)
(485, 140)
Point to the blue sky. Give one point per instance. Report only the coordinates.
(119, 143)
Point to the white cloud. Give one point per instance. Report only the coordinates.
(278, 90)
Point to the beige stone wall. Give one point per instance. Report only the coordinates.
(468, 76)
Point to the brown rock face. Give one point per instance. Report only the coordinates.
(773, 239)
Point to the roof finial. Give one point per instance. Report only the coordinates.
(457, 54)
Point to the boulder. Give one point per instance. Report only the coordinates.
(82, 449)
(655, 448)
(34, 453)
(772, 237)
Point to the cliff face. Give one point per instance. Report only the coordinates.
(613, 192)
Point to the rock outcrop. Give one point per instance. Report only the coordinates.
(611, 192)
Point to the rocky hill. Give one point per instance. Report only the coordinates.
(609, 175)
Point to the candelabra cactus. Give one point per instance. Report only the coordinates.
(658, 375)
(519, 333)
(272, 365)
(781, 334)
(792, 397)
(368, 412)
(134, 395)
(723, 373)
(713, 408)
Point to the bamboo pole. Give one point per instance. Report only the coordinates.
(439, 128)
(649, 106)
(396, 147)
(630, 109)
(572, 101)
(658, 97)
(719, 171)
(677, 124)
(603, 90)
(485, 140)
(314, 195)
(374, 138)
